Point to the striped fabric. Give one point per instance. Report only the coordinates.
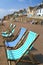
(13, 43)
(18, 53)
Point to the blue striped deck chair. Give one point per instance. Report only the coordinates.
(7, 31)
(17, 40)
(11, 26)
(6, 34)
(9, 34)
(17, 54)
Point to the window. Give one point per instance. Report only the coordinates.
(40, 10)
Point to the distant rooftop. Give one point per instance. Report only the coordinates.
(37, 7)
(40, 5)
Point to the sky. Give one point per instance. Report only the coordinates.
(9, 6)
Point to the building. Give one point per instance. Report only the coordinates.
(36, 10)
(30, 11)
(23, 12)
(39, 10)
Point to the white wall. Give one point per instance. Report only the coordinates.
(39, 12)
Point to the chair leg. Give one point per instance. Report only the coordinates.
(17, 61)
(9, 62)
(33, 60)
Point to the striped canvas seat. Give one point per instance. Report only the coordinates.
(17, 40)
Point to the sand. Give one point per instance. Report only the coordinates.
(38, 44)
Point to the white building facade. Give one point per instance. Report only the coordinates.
(39, 12)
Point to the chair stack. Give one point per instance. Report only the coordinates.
(19, 53)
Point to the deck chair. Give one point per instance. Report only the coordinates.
(7, 31)
(11, 26)
(20, 52)
(8, 34)
(17, 40)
